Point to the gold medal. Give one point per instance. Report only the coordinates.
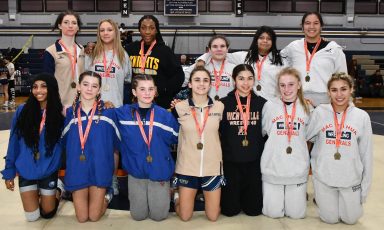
(217, 97)
(258, 87)
(149, 159)
(245, 143)
(73, 85)
(106, 87)
(200, 146)
(307, 78)
(36, 155)
(289, 150)
(337, 156)
(82, 157)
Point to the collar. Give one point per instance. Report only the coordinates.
(191, 104)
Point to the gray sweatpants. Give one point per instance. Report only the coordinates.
(284, 200)
(148, 199)
(336, 204)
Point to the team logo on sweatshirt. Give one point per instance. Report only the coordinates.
(225, 80)
(346, 134)
(100, 69)
(235, 119)
(151, 65)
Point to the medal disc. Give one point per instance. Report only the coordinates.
(245, 143)
(289, 150)
(307, 78)
(337, 156)
(149, 158)
(217, 97)
(200, 146)
(73, 85)
(36, 155)
(82, 157)
(258, 87)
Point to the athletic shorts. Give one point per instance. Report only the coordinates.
(206, 183)
(4, 81)
(46, 186)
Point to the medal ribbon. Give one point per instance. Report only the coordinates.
(290, 124)
(42, 122)
(245, 116)
(200, 130)
(259, 65)
(144, 57)
(150, 132)
(73, 58)
(218, 75)
(339, 127)
(83, 138)
(309, 60)
(107, 70)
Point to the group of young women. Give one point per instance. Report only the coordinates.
(242, 132)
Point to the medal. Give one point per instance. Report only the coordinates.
(338, 131)
(143, 58)
(259, 65)
(36, 155)
(73, 59)
(107, 70)
(289, 124)
(245, 142)
(149, 158)
(146, 139)
(217, 76)
(289, 150)
(197, 125)
(337, 155)
(244, 116)
(106, 87)
(84, 136)
(308, 60)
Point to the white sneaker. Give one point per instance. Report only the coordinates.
(109, 195)
(60, 186)
(115, 185)
(5, 105)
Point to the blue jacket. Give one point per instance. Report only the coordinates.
(20, 158)
(134, 150)
(97, 169)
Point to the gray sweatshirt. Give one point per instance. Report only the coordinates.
(278, 167)
(355, 165)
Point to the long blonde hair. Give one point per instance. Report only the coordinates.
(293, 72)
(117, 47)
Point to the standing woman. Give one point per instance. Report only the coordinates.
(242, 144)
(151, 56)
(218, 66)
(199, 157)
(34, 152)
(110, 60)
(4, 82)
(342, 154)
(90, 136)
(148, 130)
(265, 59)
(65, 58)
(285, 159)
(315, 58)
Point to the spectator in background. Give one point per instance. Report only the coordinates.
(4, 82)
(11, 81)
(377, 84)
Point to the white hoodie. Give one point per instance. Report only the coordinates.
(326, 62)
(355, 164)
(278, 167)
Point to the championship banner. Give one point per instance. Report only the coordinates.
(239, 8)
(124, 9)
(180, 7)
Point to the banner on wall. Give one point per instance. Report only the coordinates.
(239, 8)
(180, 7)
(124, 9)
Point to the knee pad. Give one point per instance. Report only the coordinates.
(32, 216)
